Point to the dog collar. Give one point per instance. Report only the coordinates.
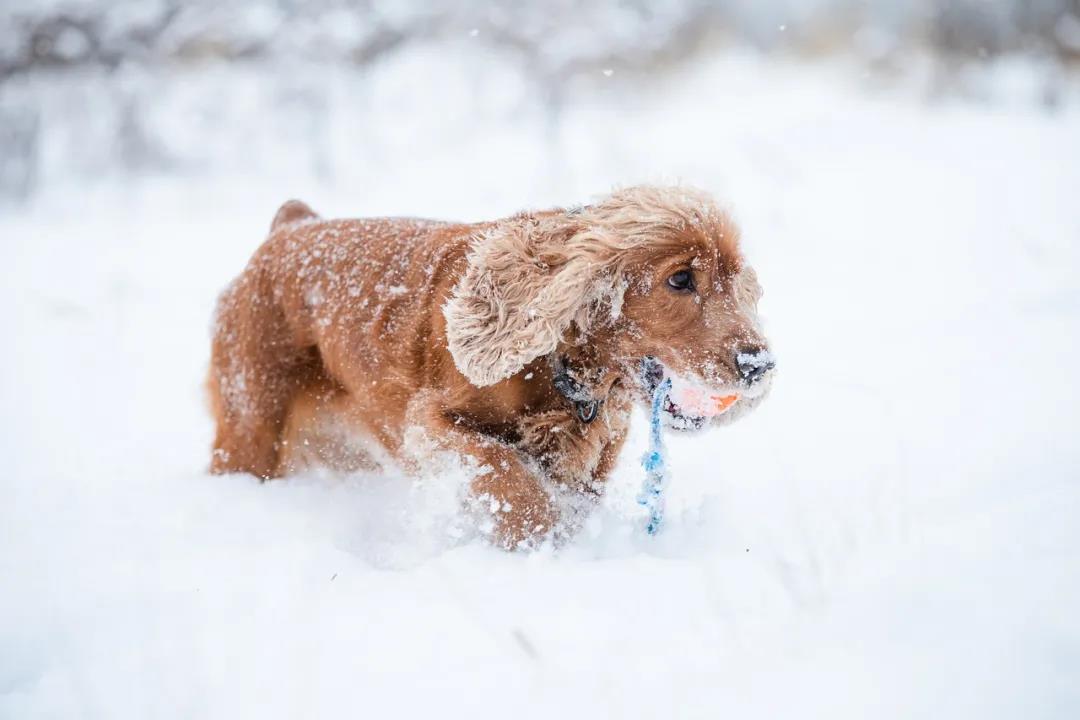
(586, 407)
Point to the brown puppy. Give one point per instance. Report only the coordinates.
(518, 344)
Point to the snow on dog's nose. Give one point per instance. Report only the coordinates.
(753, 363)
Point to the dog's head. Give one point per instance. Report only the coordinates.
(651, 275)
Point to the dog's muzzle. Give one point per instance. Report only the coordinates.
(691, 405)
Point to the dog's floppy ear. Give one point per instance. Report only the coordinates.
(529, 278)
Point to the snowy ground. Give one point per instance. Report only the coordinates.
(894, 534)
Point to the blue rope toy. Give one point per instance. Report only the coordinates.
(653, 461)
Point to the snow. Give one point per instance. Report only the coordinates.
(892, 534)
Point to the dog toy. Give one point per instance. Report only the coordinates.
(691, 399)
(655, 468)
(701, 403)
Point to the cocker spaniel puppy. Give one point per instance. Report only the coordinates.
(519, 344)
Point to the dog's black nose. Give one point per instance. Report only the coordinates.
(753, 363)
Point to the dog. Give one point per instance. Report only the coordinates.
(520, 345)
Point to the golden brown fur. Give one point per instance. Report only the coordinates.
(342, 335)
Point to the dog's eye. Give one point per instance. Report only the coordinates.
(682, 280)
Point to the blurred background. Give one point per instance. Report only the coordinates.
(331, 89)
(893, 534)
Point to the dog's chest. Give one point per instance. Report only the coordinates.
(571, 451)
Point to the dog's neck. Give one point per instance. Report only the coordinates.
(583, 375)
(586, 403)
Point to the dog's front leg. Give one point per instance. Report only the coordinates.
(504, 486)
(522, 511)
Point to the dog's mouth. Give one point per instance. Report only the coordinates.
(674, 417)
(688, 405)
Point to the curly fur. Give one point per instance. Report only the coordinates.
(530, 278)
(343, 342)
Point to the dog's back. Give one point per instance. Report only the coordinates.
(324, 304)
